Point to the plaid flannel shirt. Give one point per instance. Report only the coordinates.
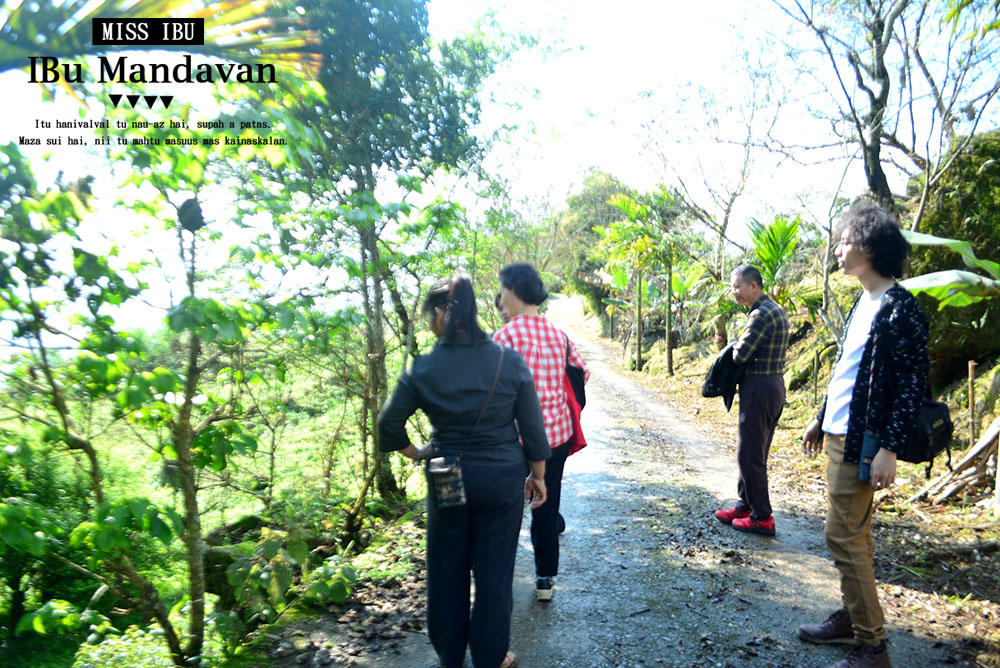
(542, 345)
(764, 339)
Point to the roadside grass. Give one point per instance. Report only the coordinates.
(132, 467)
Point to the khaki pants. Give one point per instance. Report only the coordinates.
(849, 539)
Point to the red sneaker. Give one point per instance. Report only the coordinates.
(727, 516)
(765, 527)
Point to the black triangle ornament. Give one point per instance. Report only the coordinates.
(132, 99)
(167, 99)
(150, 100)
(115, 99)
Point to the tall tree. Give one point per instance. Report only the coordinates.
(393, 103)
(709, 180)
(644, 241)
(912, 86)
(587, 211)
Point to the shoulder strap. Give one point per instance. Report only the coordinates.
(567, 348)
(489, 396)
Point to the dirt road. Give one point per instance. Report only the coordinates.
(648, 577)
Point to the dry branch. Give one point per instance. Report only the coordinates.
(972, 469)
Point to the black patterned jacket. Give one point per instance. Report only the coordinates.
(892, 376)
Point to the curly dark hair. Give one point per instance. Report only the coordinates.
(876, 232)
(522, 279)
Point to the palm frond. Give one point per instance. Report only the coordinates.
(774, 244)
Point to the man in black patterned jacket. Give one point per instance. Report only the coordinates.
(869, 412)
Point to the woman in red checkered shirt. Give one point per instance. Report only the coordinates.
(543, 346)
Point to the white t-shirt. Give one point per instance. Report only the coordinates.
(838, 397)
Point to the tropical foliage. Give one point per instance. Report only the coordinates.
(955, 287)
(774, 247)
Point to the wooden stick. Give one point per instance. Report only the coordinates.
(977, 455)
(986, 441)
(972, 401)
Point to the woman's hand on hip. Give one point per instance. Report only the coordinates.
(413, 452)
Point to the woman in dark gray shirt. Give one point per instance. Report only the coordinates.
(472, 393)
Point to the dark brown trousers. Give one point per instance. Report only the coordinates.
(762, 399)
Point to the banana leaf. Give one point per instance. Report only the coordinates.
(963, 248)
(954, 287)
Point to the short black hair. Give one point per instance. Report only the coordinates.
(749, 274)
(522, 279)
(458, 298)
(876, 233)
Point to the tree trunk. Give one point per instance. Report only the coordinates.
(830, 304)
(385, 482)
(871, 131)
(638, 322)
(152, 602)
(183, 435)
(373, 274)
(877, 182)
(670, 314)
(721, 336)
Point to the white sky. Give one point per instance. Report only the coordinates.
(614, 68)
(618, 66)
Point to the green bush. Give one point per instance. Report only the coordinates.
(965, 205)
(135, 648)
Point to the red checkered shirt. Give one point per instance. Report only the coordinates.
(542, 345)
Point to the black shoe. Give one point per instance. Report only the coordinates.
(561, 522)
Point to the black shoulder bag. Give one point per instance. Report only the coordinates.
(932, 430)
(931, 434)
(576, 379)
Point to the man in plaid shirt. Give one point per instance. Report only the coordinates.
(761, 346)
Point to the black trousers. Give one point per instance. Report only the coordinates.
(762, 398)
(545, 518)
(481, 537)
